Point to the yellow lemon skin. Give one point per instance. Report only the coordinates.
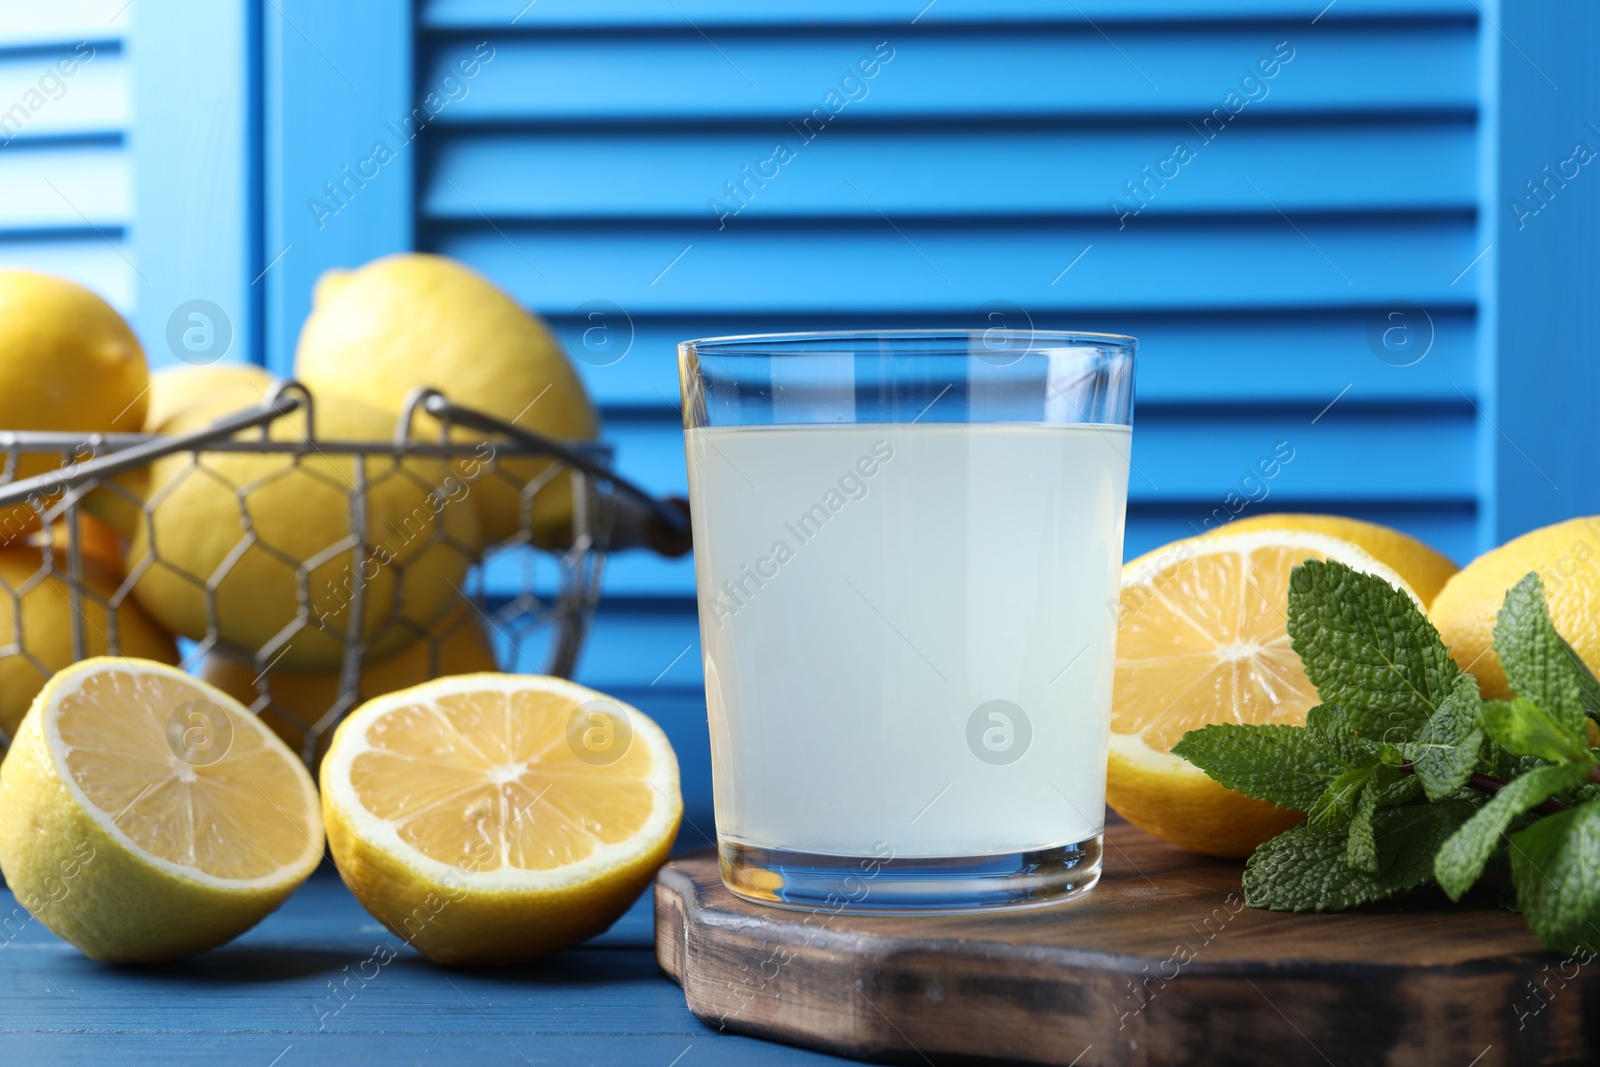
(454, 923)
(1566, 556)
(412, 320)
(122, 910)
(47, 621)
(205, 393)
(197, 395)
(90, 888)
(457, 645)
(421, 537)
(99, 543)
(1425, 569)
(68, 362)
(1184, 806)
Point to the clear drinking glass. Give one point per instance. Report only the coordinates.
(907, 558)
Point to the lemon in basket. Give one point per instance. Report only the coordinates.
(34, 590)
(68, 362)
(199, 393)
(413, 320)
(262, 548)
(455, 645)
(1203, 638)
(491, 818)
(145, 815)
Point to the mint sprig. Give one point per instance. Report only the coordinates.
(1308, 870)
(1282, 765)
(1367, 649)
(1538, 661)
(1407, 777)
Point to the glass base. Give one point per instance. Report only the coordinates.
(896, 884)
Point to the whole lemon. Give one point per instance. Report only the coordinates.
(211, 392)
(1565, 555)
(413, 320)
(200, 393)
(455, 645)
(37, 584)
(68, 362)
(261, 547)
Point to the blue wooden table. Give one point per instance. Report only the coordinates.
(321, 982)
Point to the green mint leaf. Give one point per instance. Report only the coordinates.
(1450, 744)
(1393, 783)
(1279, 764)
(1337, 804)
(1461, 860)
(1538, 661)
(1361, 847)
(1506, 765)
(1523, 728)
(1305, 869)
(1368, 648)
(1402, 790)
(1555, 865)
(1333, 726)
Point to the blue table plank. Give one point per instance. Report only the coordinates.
(321, 982)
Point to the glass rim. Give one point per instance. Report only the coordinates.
(773, 344)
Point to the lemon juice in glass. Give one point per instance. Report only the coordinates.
(907, 549)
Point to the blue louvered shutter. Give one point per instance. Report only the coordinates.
(66, 191)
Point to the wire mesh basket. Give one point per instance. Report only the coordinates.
(304, 574)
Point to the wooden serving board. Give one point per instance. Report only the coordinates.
(1160, 964)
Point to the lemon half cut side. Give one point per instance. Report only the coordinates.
(1203, 638)
(492, 818)
(146, 815)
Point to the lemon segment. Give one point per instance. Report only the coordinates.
(1203, 638)
(182, 819)
(478, 817)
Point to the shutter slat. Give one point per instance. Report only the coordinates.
(875, 267)
(498, 14)
(1156, 70)
(1249, 357)
(953, 172)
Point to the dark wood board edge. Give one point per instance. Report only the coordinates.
(762, 972)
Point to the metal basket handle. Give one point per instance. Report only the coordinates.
(640, 520)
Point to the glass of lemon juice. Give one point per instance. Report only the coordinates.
(907, 550)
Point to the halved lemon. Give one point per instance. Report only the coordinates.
(1424, 568)
(1203, 638)
(145, 815)
(492, 818)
